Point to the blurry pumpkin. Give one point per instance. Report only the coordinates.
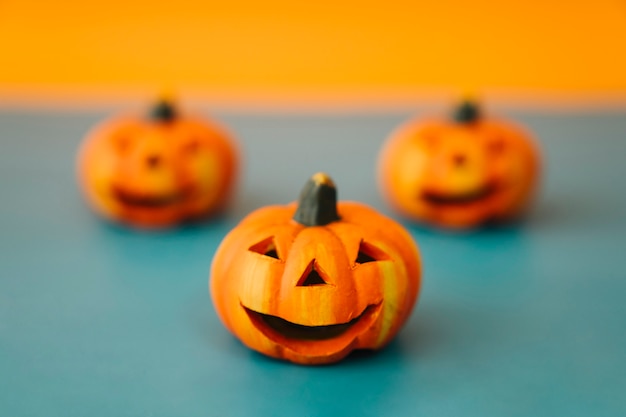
(312, 281)
(157, 170)
(460, 172)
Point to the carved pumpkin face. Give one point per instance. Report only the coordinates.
(459, 173)
(156, 171)
(311, 282)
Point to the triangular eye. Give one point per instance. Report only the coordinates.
(266, 247)
(311, 276)
(370, 253)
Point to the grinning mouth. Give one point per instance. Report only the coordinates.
(148, 201)
(441, 199)
(272, 325)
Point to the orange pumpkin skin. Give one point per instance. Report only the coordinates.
(311, 294)
(459, 174)
(157, 171)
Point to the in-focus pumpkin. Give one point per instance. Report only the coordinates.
(311, 281)
(460, 172)
(157, 170)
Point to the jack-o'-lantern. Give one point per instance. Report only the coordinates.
(157, 170)
(312, 281)
(459, 173)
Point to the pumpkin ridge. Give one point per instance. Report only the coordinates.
(343, 245)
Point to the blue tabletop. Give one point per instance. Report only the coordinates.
(524, 320)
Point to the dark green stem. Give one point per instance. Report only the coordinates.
(163, 111)
(467, 112)
(317, 205)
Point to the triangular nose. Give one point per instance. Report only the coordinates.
(311, 277)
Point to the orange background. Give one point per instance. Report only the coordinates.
(322, 52)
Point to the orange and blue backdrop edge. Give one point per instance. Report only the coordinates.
(315, 54)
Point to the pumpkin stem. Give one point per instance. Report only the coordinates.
(317, 205)
(467, 112)
(163, 111)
